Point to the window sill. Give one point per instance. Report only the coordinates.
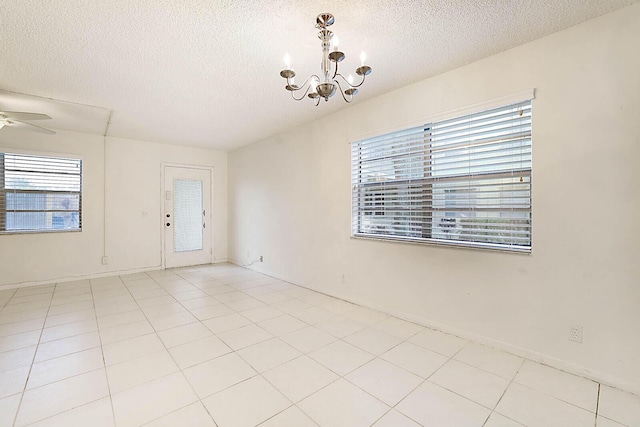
(10, 233)
(451, 244)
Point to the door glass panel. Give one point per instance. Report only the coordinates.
(187, 215)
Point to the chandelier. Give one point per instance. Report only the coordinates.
(331, 80)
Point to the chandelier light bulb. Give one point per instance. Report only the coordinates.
(350, 80)
(314, 85)
(287, 61)
(363, 57)
(336, 42)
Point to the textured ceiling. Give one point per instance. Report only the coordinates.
(205, 73)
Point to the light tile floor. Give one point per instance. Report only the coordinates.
(225, 346)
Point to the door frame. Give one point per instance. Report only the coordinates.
(164, 165)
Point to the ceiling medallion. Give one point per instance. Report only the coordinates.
(330, 81)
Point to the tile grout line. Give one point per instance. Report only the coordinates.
(343, 377)
(165, 347)
(597, 406)
(425, 379)
(307, 353)
(470, 341)
(72, 376)
(552, 396)
(20, 346)
(24, 389)
(180, 370)
(505, 391)
(265, 304)
(233, 351)
(292, 298)
(287, 397)
(104, 362)
(216, 335)
(260, 374)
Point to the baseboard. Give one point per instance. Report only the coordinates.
(554, 362)
(535, 356)
(256, 267)
(91, 276)
(79, 277)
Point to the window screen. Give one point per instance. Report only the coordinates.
(464, 181)
(40, 193)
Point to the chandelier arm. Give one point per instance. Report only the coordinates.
(308, 86)
(311, 76)
(352, 85)
(361, 83)
(303, 95)
(316, 101)
(342, 92)
(298, 99)
(343, 79)
(335, 73)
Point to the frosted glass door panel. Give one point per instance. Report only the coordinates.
(188, 215)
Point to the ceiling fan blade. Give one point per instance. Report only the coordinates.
(28, 126)
(24, 116)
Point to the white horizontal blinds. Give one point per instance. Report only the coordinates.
(188, 215)
(39, 193)
(466, 180)
(388, 175)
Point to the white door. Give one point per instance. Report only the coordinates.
(187, 216)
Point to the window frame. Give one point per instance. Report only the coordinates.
(358, 191)
(4, 191)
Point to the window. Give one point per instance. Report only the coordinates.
(40, 193)
(463, 181)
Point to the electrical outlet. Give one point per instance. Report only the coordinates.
(105, 260)
(575, 333)
(261, 258)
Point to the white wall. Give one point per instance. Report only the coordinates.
(290, 201)
(39, 257)
(133, 185)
